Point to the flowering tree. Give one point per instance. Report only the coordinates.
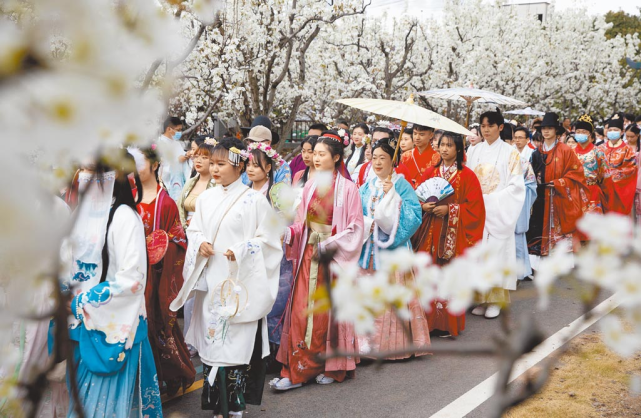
(257, 61)
(74, 79)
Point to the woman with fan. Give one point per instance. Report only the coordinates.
(231, 270)
(392, 215)
(166, 245)
(329, 218)
(453, 219)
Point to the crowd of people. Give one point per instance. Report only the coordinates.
(195, 234)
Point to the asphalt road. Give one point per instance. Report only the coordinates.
(412, 388)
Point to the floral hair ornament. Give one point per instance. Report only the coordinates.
(342, 137)
(268, 150)
(367, 139)
(236, 156)
(154, 146)
(211, 141)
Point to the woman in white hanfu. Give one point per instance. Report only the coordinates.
(232, 270)
(498, 168)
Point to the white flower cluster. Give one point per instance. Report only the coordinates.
(359, 297)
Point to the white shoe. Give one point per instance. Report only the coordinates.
(479, 310)
(283, 384)
(321, 379)
(492, 311)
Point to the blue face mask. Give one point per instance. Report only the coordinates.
(178, 135)
(614, 136)
(581, 138)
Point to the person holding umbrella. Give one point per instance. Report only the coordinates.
(498, 168)
(562, 194)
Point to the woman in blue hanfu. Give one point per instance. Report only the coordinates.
(115, 371)
(392, 214)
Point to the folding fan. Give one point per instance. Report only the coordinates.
(434, 190)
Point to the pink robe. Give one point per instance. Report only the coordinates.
(347, 240)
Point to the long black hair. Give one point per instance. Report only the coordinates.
(635, 130)
(334, 146)
(263, 160)
(459, 143)
(152, 156)
(123, 196)
(311, 140)
(361, 157)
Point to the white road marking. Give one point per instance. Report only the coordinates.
(470, 400)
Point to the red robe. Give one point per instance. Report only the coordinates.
(623, 169)
(417, 163)
(597, 177)
(448, 237)
(164, 281)
(563, 168)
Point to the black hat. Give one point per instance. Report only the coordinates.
(262, 121)
(551, 119)
(616, 121)
(585, 122)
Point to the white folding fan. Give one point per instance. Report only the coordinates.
(434, 190)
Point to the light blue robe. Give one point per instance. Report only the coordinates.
(282, 175)
(523, 223)
(403, 213)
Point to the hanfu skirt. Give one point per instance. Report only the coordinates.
(131, 392)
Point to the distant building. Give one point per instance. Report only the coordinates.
(538, 9)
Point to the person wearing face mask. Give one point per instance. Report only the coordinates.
(595, 166)
(622, 162)
(174, 173)
(561, 191)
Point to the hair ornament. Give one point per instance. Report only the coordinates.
(343, 139)
(211, 141)
(268, 150)
(236, 156)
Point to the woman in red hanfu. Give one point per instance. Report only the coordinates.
(452, 225)
(164, 279)
(622, 161)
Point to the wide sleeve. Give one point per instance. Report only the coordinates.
(625, 182)
(294, 234)
(110, 310)
(504, 205)
(283, 174)
(194, 262)
(171, 279)
(364, 191)
(258, 259)
(348, 239)
(471, 210)
(397, 216)
(523, 223)
(570, 191)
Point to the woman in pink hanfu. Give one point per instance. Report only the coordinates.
(328, 218)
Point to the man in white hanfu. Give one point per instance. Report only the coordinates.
(174, 169)
(498, 168)
(232, 269)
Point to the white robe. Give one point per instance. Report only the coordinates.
(249, 229)
(498, 168)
